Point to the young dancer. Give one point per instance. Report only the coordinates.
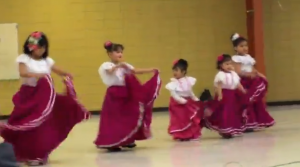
(127, 108)
(226, 117)
(255, 83)
(41, 119)
(183, 106)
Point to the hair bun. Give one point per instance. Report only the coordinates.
(235, 36)
(182, 62)
(108, 44)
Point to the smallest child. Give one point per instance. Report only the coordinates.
(226, 117)
(183, 107)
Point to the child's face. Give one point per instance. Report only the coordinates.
(242, 48)
(227, 66)
(178, 73)
(116, 56)
(38, 52)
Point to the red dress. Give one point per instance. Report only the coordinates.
(226, 117)
(41, 119)
(127, 112)
(184, 110)
(253, 105)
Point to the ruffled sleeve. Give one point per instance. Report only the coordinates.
(247, 59)
(220, 77)
(107, 65)
(192, 80)
(23, 58)
(235, 75)
(171, 86)
(250, 60)
(50, 61)
(237, 59)
(130, 66)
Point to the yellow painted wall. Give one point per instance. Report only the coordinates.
(154, 32)
(282, 51)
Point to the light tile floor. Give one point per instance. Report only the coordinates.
(270, 148)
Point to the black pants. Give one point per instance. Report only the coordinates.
(7, 156)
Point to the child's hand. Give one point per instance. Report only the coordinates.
(207, 113)
(244, 91)
(182, 101)
(123, 65)
(70, 76)
(195, 99)
(253, 74)
(155, 69)
(261, 75)
(220, 97)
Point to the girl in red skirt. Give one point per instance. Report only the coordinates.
(226, 117)
(41, 119)
(256, 84)
(127, 108)
(183, 107)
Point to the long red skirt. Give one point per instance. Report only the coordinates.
(184, 120)
(253, 105)
(226, 116)
(42, 119)
(127, 112)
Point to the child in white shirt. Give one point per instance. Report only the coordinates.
(252, 103)
(127, 107)
(226, 117)
(183, 106)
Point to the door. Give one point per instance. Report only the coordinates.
(8, 51)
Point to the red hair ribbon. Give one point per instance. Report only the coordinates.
(33, 40)
(175, 62)
(36, 35)
(220, 58)
(108, 43)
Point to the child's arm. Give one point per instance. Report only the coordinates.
(59, 71)
(178, 98)
(241, 88)
(219, 91)
(237, 68)
(259, 74)
(194, 97)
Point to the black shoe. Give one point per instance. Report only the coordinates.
(249, 130)
(226, 136)
(117, 149)
(132, 145)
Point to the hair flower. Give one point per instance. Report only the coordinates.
(175, 62)
(220, 58)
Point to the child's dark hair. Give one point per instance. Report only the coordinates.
(180, 64)
(112, 47)
(236, 39)
(42, 42)
(222, 59)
